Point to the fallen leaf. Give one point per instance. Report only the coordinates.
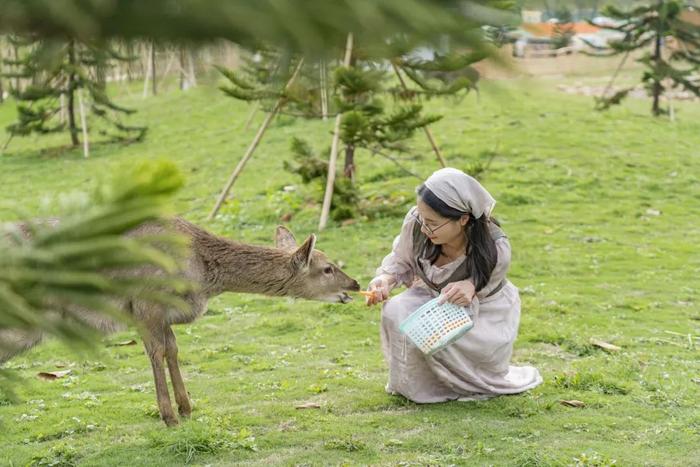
(286, 217)
(653, 212)
(119, 344)
(308, 405)
(53, 374)
(573, 403)
(605, 345)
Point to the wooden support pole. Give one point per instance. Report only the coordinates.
(251, 116)
(330, 181)
(192, 73)
(254, 144)
(324, 89)
(83, 124)
(428, 134)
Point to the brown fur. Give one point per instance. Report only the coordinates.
(214, 265)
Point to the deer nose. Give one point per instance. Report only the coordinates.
(355, 286)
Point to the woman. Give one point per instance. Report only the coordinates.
(451, 247)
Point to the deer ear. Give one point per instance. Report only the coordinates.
(284, 238)
(302, 257)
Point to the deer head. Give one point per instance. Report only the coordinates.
(315, 276)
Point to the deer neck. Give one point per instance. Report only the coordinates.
(236, 267)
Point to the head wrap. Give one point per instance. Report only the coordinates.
(460, 191)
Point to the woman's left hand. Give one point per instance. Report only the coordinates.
(460, 293)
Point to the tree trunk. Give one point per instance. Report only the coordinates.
(192, 72)
(657, 89)
(349, 169)
(71, 96)
(17, 81)
(182, 68)
(143, 68)
(2, 89)
(130, 54)
(153, 69)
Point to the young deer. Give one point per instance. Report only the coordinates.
(215, 265)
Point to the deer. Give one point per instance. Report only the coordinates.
(213, 265)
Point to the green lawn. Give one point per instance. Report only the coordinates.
(603, 212)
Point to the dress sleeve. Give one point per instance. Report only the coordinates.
(400, 262)
(501, 268)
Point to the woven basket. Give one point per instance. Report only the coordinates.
(433, 327)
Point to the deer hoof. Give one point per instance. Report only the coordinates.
(184, 410)
(170, 421)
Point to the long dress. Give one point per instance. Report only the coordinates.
(477, 365)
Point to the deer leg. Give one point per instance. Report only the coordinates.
(181, 397)
(154, 341)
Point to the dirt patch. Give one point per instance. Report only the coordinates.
(638, 92)
(505, 66)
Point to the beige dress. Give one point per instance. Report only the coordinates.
(476, 366)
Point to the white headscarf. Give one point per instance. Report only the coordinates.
(460, 191)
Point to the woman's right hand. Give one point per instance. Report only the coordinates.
(380, 287)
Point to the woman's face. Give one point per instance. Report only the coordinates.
(439, 229)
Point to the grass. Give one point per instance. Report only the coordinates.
(602, 213)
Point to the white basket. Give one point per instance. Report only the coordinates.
(433, 327)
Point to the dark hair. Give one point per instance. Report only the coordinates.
(481, 249)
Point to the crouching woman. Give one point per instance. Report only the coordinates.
(450, 246)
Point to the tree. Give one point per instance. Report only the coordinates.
(58, 71)
(368, 121)
(307, 26)
(361, 94)
(563, 30)
(262, 79)
(657, 25)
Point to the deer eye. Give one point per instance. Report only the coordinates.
(328, 270)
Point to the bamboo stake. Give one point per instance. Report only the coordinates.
(250, 117)
(7, 143)
(148, 73)
(181, 67)
(169, 64)
(324, 90)
(193, 75)
(428, 134)
(83, 123)
(249, 152)
(330, 181)
(614, 76)
(154, 87)
(62, 115)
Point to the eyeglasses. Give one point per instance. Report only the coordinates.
(432, 230)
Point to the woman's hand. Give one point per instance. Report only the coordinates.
(380, 287)
(460, 293)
